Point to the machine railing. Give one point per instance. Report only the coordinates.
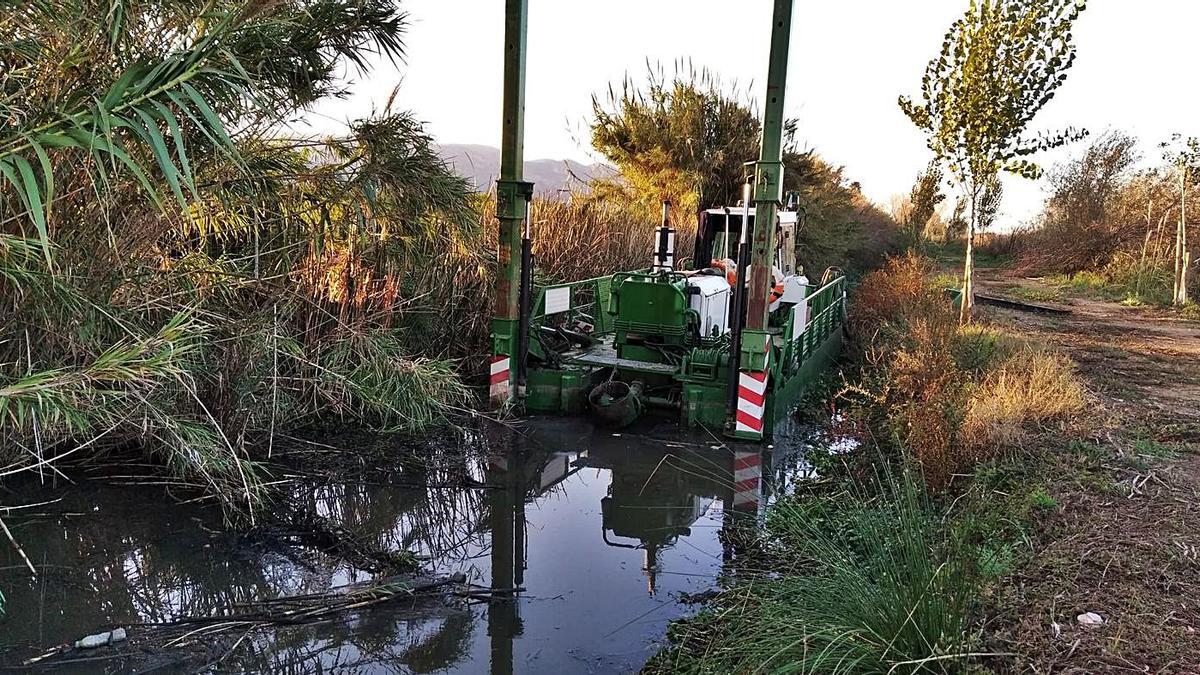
(826, 313)
(571, 304)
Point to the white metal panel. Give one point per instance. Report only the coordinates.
(558, 300)
(711, 303)
(800, 319)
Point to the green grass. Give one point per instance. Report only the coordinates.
(946, 280)
(978, 348)
(996, 561)
(1128, 282)
(1041, 501)
(1148, 447)
(954, 255)
(873, 588)
(1052, 294)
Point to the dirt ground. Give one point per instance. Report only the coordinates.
(1125, 542)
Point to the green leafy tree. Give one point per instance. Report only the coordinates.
(999, 65)
(924, 199)
(1184, 154)
(685, 138)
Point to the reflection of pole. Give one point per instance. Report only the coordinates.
(741, 516)
(727, 525)
(650, 567)
(508, 559)
(747, 481)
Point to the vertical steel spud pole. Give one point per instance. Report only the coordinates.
(513, 194)
(755, 345)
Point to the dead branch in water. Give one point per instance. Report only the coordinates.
(289, 611)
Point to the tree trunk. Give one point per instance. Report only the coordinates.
(1179, 295)
(1186, 257)
(968, 295)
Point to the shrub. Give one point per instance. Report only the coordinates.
(948, 395)
(904, 328)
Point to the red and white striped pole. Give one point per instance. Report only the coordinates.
(752, 400)
(501, 379)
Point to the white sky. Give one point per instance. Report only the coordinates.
(850, 60)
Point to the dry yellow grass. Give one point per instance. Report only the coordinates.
(1033, 386)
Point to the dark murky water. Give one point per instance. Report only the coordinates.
(604, 533)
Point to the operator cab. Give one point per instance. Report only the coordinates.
(712, 285)
(720, 230)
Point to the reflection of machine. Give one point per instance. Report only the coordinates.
(655, 497)
(657, 492)
(653, 508)
(730, 344)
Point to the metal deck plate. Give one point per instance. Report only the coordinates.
(603, 355)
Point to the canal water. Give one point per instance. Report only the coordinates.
(594, 540)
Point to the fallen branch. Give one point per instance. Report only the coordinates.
(20, 551)
(289, 611)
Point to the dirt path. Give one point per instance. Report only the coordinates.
(1126, 541)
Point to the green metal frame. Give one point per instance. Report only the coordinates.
(795, 362)
(564, 390)
(512, 192)
(768, 187)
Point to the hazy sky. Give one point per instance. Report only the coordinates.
(850, 61)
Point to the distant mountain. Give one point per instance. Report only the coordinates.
(481, 163)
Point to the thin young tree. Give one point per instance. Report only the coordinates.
(1185, 156)
(999, 65)
(923, 202)
(988, 207)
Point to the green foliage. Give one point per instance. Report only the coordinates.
(873, 588)
(995, 561)
(988, 206)
(924, 199)
(1149, 447)
(979, 349)
(999, 65)
(956, 227)
(838, 225)
(1127, 279)
(1039, 500)
(682, 138)
(147, 103)
(267, 291)
(1038, 294)
(687, 140)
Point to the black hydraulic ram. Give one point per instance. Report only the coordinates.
(525, 304)
(738, 322)
(664, 254)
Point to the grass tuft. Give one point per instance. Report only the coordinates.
(874, 589)
(1031, 387)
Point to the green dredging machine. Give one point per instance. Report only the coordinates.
(730, 344)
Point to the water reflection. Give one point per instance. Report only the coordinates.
(587, 540)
